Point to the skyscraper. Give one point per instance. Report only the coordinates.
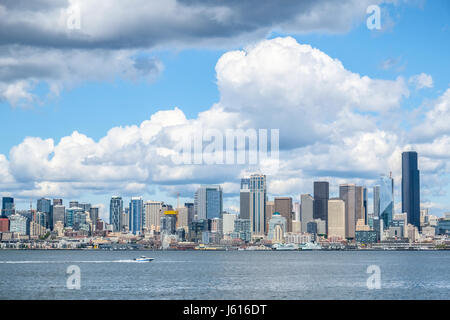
(191, 213)
(376, 201)
(152, 219)
(7, 206)
(270, 209)
(115, 213)
(336, 218)
(283, 205)
(136, 215)
(306, 210)
(321, 196)
(365, 206)
(44, 205)
(347, 192)
(386, 200)
(411, 188)
(93, 214)
(208, 202)
(59, 214)
(258, 200)
(359, 203)
(244, 203)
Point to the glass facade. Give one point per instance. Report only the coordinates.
(321, 197)
(7, 206)
(258, 203)
(115, 213)
(208, 202)
(136, 215)
(411, 188)
(386, 199)
(45, 205)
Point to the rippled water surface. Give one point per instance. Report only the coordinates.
(34, 274)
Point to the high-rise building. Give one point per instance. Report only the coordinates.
(94, 215)
(296, 209)
(386, 200)
(191, 212)
(365, 206)
(115, 213)
(270, 209)
(411, 188)
(168, 224)
(359, 203)
(321, 196)
(336, 218)
(18, 223)
(208, 202)
(59, 214)
(258, 198)
(242, 228)
(347, 192)
(153, 213)
(183, 221)
(283, 205)
(244, 202)
(57, 202)
(136, 215)
(277, 227)
(306, 210)
(217, 225)
(228, 222)
(7, 206)
(76, 218)
(85, 206)
(73, 204)
(45, 205)
(376, 201)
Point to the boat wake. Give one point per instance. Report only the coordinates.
(69, 261)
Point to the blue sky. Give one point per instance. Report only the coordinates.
(415, 39)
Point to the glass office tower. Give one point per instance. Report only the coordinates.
(136, 215)
(386, 200)
(411, 188)
(7, 206)
(115, 213)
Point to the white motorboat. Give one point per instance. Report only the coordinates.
(143, 259)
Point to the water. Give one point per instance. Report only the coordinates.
(34, 274)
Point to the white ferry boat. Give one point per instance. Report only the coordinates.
(284, 247)
(310, 246)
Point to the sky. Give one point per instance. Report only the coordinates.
(93, 98)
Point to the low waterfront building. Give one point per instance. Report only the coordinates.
(366, 236)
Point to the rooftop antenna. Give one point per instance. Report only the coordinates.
(178, 200)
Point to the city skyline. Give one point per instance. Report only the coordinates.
(97, 137)
(382, 198)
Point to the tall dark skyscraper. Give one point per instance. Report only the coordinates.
(320, 204)
(45, 205)
(7, 206)
(411, 188)
(115, 213)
